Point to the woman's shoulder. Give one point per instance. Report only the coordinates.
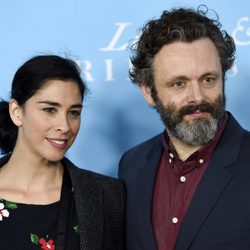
(84, 175)
(97, 187)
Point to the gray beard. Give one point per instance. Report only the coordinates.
(201, 131)
(198, 133)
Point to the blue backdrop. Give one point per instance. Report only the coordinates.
(96, 34)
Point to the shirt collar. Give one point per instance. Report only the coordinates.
(204, 153)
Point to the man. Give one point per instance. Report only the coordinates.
(187, 188)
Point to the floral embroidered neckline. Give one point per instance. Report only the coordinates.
(5, 207)
(44, 243)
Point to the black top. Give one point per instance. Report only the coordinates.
(99, 202)
(30, 227)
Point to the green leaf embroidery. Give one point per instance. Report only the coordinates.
(34, 238)
(76, 228)
(11, 205)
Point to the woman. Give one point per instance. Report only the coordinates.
(46, 202)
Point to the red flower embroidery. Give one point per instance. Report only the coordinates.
(47, 245)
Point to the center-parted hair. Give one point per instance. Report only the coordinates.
(186, 25)
(29, 78)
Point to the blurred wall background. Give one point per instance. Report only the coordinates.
(96, 34)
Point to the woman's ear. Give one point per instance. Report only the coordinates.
(15, 111)
(146, 91)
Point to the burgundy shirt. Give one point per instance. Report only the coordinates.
(175, 184)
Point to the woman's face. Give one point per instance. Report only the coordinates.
(50, 120)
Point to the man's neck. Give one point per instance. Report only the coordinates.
(182, 150)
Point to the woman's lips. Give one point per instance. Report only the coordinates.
(58, 143)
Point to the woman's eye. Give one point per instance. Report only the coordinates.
(49, 110)
(75, 113)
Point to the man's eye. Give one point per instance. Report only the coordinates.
(209, 80)
(178, 84)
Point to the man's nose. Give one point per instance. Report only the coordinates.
(195, 93)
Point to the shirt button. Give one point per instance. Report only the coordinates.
(201, 161)
(183, 178)
(170, 160)
(171, 155)
(175, 220)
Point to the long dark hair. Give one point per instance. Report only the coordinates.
(29, 78)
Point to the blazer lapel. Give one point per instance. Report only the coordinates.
(89, 210)
(145, 187)
(212, 184)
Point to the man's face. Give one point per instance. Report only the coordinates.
(189, 90)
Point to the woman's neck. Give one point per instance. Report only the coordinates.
(30, 180)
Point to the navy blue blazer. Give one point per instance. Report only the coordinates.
(218, 217)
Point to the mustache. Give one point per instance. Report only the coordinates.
(190, 109)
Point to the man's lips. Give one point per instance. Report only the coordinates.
(58, 143)
(198, 114)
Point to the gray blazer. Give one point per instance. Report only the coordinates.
(99, 206)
